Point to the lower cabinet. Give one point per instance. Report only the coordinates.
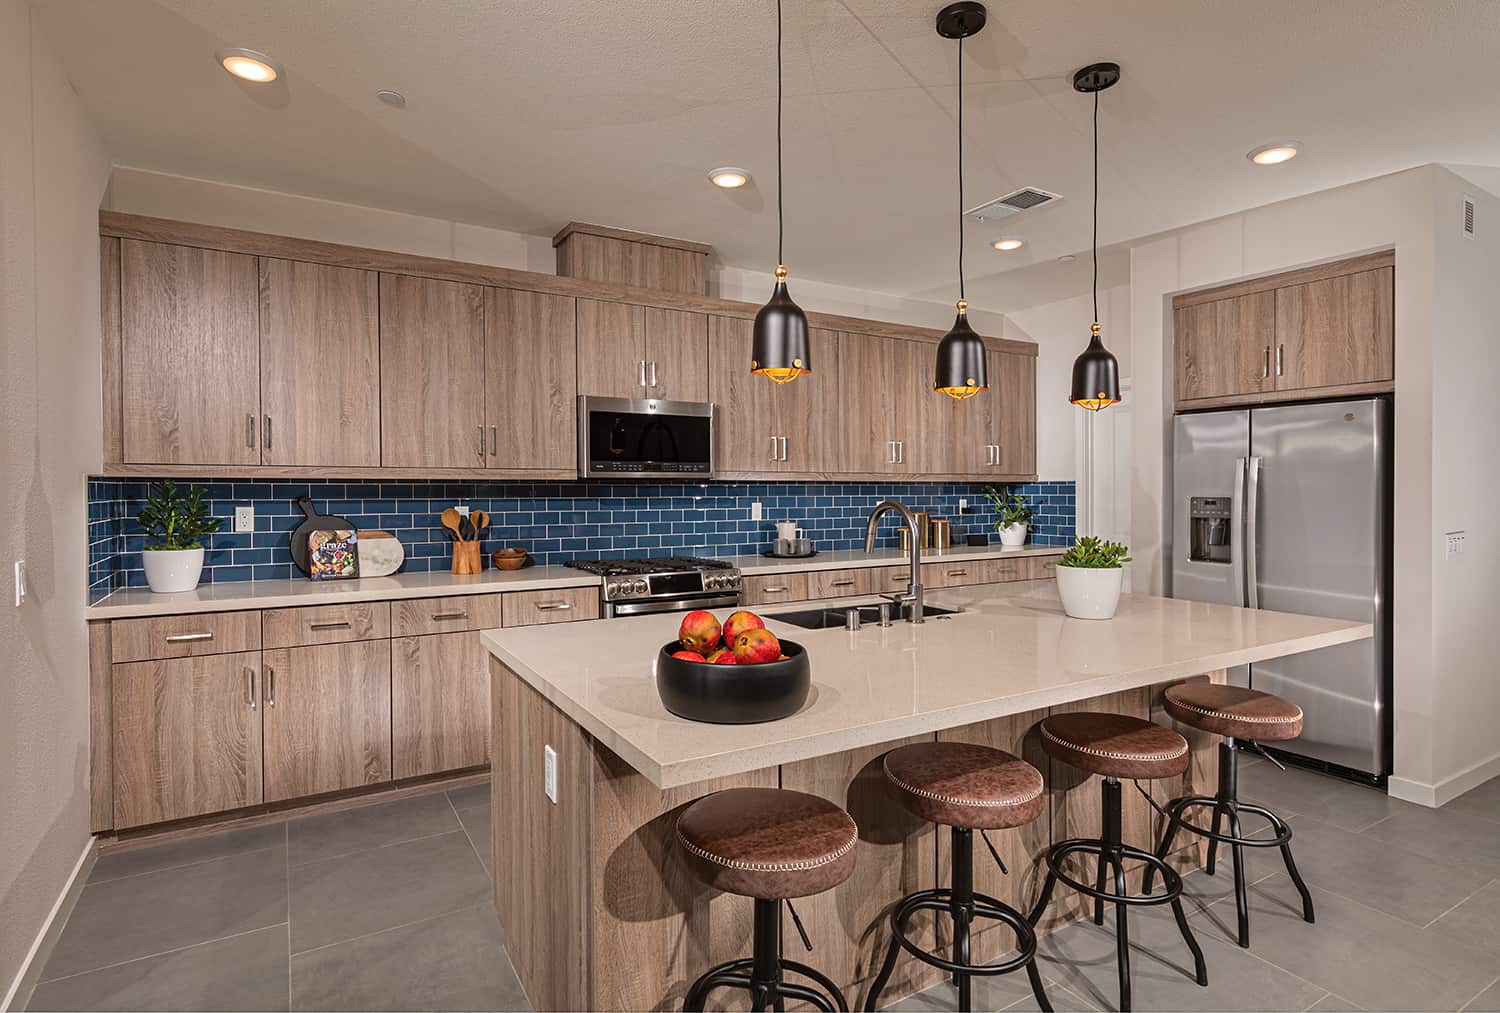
(186, 737)
(327, 717)
(440, 703)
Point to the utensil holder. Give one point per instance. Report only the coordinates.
(466, 558)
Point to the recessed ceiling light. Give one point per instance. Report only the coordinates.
(1008, 244)
(391, 98)
(729, 177)
(249, 65)
(1273, 154)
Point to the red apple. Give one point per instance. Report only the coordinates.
(722, 656)
(755, 646)
(689, 656)
(741, 622)
(699, 631)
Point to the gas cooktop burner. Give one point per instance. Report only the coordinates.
(633, 567)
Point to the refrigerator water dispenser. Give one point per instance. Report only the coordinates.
(1208, 521)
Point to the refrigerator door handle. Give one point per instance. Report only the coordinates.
(1252, 540)
(1237, 531)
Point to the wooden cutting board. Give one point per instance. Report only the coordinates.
(380, 554)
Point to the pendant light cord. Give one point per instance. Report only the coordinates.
(780, 199)
(1096, 207)
(961, 168)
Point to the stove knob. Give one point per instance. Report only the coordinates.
(639, 587)
(712, 583)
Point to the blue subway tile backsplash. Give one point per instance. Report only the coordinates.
(555, 521)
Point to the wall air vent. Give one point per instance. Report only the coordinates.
(1469, 217)
(1025, 199)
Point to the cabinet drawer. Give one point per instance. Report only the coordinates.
(840, 583)
(1041, 567)
(958, 574)
(183, 636)
(564, 605)
(886, 579)
(766, 589)
(325, 624)
(445, 615)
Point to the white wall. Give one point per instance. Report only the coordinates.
(53, 171)
(1445, 312)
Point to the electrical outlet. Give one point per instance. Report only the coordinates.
(549, 773)
(963, 506)
(463, 511)
(1455, 543)
(20, 582)
(755, 513)
(244, 520)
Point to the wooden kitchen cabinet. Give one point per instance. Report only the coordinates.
(186, 737)
(1336, 331)
(840, 583)
(766, 427)
(881, 412)
(531, 380)
(319, 365)
(189, 355)
(559, 605)
(1012, 414)
(676, 355)
(432, 376)
(327, 717)
(770, 589)
(611, 349)
(1224, 347)
(440, 696)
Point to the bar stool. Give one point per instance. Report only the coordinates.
(967, 788)
(1116, 746)
(1235, 713)
(772, 845)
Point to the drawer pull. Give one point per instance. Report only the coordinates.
(439, 616)
(250, 687)
(775, 590)
(958, 573)
(553, 606)
(842, 583)
(188, 638)
(328, 626)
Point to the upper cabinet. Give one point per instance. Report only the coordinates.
(766, 427)
(189, 345)
(641, 352)
(1323, 331)
(531, 386)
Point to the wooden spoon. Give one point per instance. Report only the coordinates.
(481, 521)
(450, 521)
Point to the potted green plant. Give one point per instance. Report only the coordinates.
(1089, 576)
(175, 523)
(1013, 519)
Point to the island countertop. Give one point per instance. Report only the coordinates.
(1010, 650)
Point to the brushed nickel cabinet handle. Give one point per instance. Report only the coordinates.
(553, 606)
(958, 573)
(653, 373)
(250, 431)
(270, 686)
(1265, 368)
(643, 371)
(1280, 352)
(265, 433)
(450, 615)
(494, 441)
(187, 638)
(900, 451)
(842, 583)
(250, 687)
(783, 448)
(775, 590)
(480, 431)
(773, 448)
(328, 626)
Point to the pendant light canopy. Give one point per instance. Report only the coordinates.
(961, 372)
(1096, 373)
(780, 349)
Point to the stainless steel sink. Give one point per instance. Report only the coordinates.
(834, 618)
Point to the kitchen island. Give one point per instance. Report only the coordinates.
(598, 908)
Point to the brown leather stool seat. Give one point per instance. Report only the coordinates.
(959, 784)
(768, 842)
(1115, 745)
(1234, 711)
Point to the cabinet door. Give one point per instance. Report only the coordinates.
(611, 349)
(880, 407)
(431, 374)
(327, 717)
(1013, 384)
(190, 341)
(959, 435)
(745, 405)
(808, 411)
(676, 355)
(1224, 347)
(440, 703)
(1336, 331)
(186, 737)
(531, 380)
(319, 365)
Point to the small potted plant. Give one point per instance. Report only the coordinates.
(175, 523)
(1088, 578)
(1013, 515)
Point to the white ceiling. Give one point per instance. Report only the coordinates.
(524, 115)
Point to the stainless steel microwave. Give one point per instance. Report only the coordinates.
(621, 437)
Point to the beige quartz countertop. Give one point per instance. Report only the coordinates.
(841, 559)
(1011, 650)
(269, 594)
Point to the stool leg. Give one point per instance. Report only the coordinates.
(1241, 898)
(1213, 845)
(765, 973)
(1122, 937)
(1035, 975)
(872, 1000)
(1174, 822)
(962, 907)
(1099, 885)
(804, 994)
(1200, 966)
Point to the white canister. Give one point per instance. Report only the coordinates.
(169, 570)
(1089, 592)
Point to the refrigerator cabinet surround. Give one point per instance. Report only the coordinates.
(1310, 534)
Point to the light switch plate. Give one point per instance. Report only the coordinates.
(549, 773)
(244, 520)
(463, 511)
(755, 512)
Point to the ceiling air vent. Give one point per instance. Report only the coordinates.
(1469, 216)
(1024, 199)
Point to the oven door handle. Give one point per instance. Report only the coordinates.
(644, 608)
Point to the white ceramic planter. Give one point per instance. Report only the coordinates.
(1089, 593)
(1013, 534)
(172, 569)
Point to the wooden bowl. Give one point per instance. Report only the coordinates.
(734, 694)
(508, 559)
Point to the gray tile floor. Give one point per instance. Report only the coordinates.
(387, 907)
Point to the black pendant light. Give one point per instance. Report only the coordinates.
(961, 371)
(780, 349)
(1096, 374)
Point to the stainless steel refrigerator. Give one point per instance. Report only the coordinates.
(1288, 509)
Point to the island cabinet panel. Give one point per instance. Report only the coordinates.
(440, 714)
(186, 737)
(1224, 347)
(319, 365)
(611, 349)
(676, 355)
(431, 374)
(189, 334)
(1336, 331)
(327, 718)
(531, 380)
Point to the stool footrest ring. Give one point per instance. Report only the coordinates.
(1171, 881)
(941, 899)
(1282, 828)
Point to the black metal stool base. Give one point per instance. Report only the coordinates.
(1112, 854)
(964, 905)
(1227, 807)
(763, 974)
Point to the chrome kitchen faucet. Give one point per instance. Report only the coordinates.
(911, 598)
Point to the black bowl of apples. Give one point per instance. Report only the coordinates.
(733, 674)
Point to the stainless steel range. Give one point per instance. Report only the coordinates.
(634, 587)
